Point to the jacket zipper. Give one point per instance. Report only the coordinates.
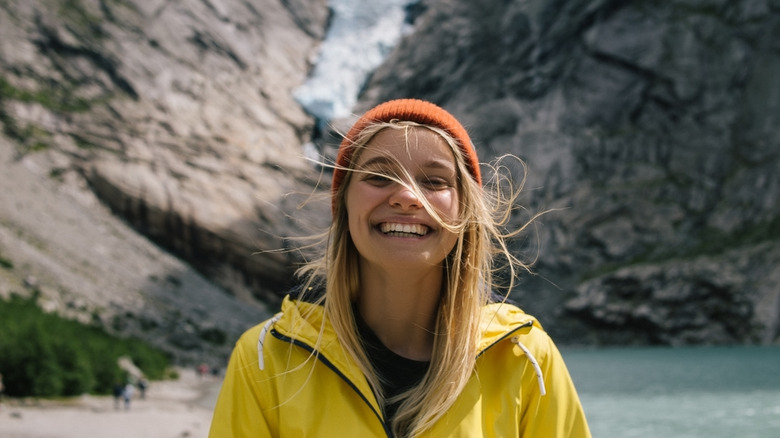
(338, 372)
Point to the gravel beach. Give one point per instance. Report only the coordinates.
(171, 409)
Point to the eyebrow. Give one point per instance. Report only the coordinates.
(430, 164)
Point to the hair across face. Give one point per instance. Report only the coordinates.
(405, 110)
(402, 198)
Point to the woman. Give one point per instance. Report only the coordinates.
(396, 331)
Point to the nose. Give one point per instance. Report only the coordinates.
(404, 198)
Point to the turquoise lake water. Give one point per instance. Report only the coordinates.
(692, 392)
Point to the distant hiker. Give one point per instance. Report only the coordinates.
(399, 328)
(127, 394)
(142, 387)
(119, 391)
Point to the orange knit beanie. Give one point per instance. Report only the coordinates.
(412, 110)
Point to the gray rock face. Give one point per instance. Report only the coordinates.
(57, 241)
(654, 130)
(649, 130)
(179, 117)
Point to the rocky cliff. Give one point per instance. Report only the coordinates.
(650, 130)
(176, 115)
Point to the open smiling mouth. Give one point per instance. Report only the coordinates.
(404, 230)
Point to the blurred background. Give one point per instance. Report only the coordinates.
(161, 166)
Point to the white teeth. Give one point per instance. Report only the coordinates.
(404, 229)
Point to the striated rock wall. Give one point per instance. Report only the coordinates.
(179, 115)
(653, 127)
(650, 130)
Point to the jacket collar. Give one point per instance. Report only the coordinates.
(501, 321)
(303, 321)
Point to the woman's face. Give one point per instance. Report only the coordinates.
(388, 223)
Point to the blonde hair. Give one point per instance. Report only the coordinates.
(467, 284)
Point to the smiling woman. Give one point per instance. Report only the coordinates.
(398, 323)
(400, 172)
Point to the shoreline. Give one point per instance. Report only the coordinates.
(171, 409)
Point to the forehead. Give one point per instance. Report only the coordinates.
(411, 143)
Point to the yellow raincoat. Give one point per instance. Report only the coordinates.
(286, 379)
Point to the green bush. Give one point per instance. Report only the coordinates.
(5, 263)
(44, 355)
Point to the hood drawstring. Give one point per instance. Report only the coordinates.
(261, 340)
(532, 359)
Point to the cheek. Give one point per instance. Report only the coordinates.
(354, 205)
(348, 200)
(447, 203)
(348, 207)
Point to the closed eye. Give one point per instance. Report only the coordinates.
(436, 183)
(376, 178)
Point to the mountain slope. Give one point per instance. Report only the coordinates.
(650, 130)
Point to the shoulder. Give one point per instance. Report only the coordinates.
(504, 319)
(297, 323)
(300, 302)
(505, 324)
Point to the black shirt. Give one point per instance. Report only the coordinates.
(397, 373)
